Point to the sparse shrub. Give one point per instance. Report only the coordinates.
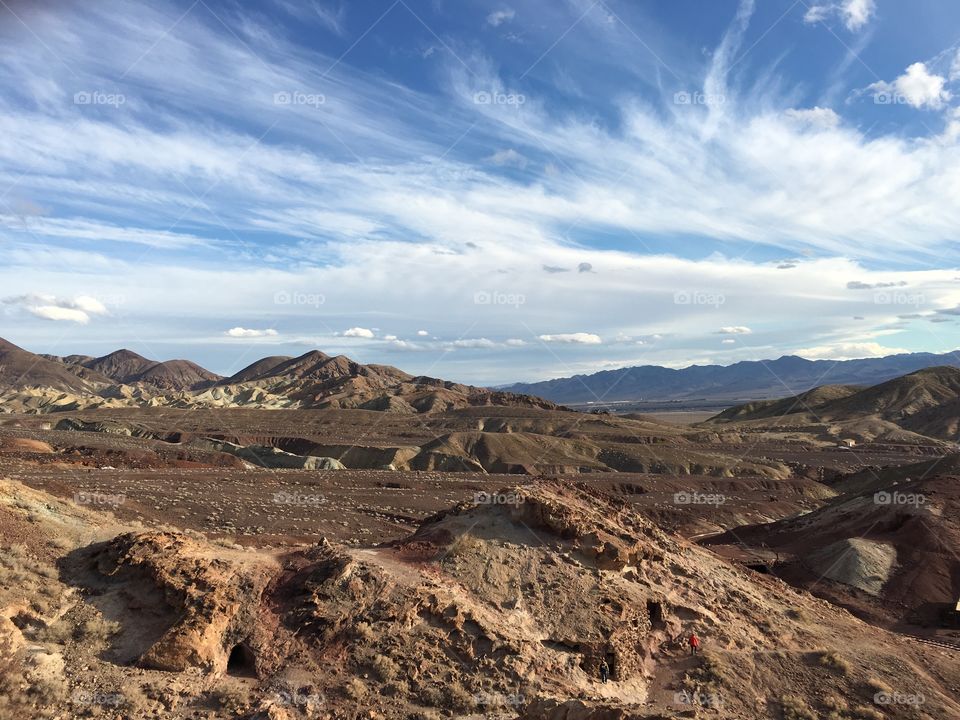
(95, 630)
(457, 698)
(463, 545)
(356, 689)
(876, 685)
(430, 696)
(363, 631)
(401, 688)
(835, 661)
(794, 708)
(385, 668)
(868, 713)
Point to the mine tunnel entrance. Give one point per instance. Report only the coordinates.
(655, 612)
(241, 662)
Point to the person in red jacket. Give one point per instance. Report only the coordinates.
(694, 644)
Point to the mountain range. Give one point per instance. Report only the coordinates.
(748, 380)
(48, 383)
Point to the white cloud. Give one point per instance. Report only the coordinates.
(817, 13)
(474, 343)
(390, 338)
(516, 342)
(955, 67)
(359, 332)
(508, 158)
(854, 14)
(728, 341)
(857, 13)
(54, 312)
(917, 87)
(848, 351)
(49, 307)
(499, 17)
(735, 330)
(579, 338)
(239, 332)
(815, 117)
(422, 333)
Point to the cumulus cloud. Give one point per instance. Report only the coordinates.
(473, 343)
(50, 307)
(579, 338)
(499, 17)
(917, 87)
(422, 333)
(848, 351)
(359, 332)
(817, 117)
(240, 332)
(734, 330)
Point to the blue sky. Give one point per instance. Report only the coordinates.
(481, 191)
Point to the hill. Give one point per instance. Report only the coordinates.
(500, 609)
(926, 402)
(34, 383)
(22, 369)
(749, 379)
(885, 547)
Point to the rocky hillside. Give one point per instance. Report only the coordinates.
(926, 403)
(885, 547)
(501, 608)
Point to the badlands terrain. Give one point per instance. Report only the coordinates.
(316, 538)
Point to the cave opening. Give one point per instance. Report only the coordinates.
(241, 662)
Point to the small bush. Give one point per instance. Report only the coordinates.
(356, 689)
(794, 708)
(834, 661)
(385, 668)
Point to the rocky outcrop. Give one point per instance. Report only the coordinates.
(212, 603)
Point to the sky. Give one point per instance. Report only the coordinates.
(482, 191)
